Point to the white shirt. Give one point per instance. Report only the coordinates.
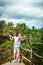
(17, 41)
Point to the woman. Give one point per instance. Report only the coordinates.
(17, 43)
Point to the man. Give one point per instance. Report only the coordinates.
(17, 43)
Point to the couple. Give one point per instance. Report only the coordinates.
(17, 43)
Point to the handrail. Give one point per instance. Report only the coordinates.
(33, 52)
(25, 49)
(29, 60)
(25, 58)
(38, 55)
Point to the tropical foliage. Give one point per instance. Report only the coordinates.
(33, 39)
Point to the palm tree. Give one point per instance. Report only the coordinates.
(2, 26)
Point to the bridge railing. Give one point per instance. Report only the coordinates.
(28, 50)
(30, 60)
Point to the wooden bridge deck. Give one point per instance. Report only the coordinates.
(13, 63)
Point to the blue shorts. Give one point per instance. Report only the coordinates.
(16, 49)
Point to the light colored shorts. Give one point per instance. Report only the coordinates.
(16, 49)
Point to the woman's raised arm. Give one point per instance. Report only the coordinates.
(11, 37)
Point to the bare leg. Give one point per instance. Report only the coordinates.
(18, 56)
(14, 56)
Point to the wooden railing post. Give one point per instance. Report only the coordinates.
(31, 57)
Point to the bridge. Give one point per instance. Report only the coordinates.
(23, 57)
(13, 63)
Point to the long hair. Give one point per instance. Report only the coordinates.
(16, 33)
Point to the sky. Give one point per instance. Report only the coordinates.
(22, 11)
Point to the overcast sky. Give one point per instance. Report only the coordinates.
(22, 11)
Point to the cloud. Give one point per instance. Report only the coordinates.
(19, 12)
(36, 23)
(22, 10)
(19, 2)
(39, 4)
(1, 11)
